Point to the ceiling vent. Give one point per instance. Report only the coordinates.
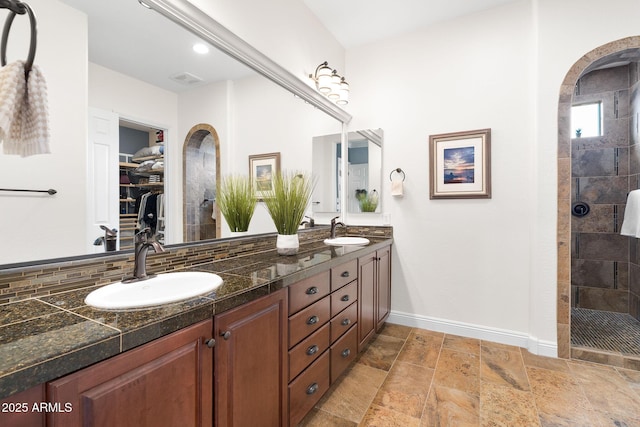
(186, 79)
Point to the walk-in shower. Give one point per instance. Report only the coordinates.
(605, 167)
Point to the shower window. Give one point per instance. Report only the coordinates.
(586, 120)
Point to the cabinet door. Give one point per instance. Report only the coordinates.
(166, 382)
(24, 409)
(366, 299)
(384, 286)
(250, 355)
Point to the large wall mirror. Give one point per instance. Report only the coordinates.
(363, 165)
(112, 62)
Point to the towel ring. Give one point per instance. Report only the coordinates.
(398, 170)
(5, 35)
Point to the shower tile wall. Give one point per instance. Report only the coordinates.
(634, 183)
(600, 259)
(200, 165)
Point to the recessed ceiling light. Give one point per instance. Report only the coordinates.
(201, 48)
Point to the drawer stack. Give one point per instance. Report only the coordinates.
(322, 338)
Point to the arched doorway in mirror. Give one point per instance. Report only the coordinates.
(201, 172)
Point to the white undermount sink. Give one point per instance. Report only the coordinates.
(162, 289)
(347, 241)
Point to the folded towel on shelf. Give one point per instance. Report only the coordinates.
(24, 115)
(631, 223)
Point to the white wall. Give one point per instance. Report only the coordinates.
(53, 219)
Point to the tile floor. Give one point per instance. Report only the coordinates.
(413, 377)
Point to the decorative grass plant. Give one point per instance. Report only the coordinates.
(368, 202)
(237, 201)
(288, 199)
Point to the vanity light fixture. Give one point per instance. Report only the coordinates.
(144, 4)
(331, 84)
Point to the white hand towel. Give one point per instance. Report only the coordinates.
(397, 188)
(24, 115)
(631, 223)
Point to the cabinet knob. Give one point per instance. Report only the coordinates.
(312, 388)
(312, 320)
(211, 343)
(345, 322)
(226, 334)
(312, 350)
(312, 290)
(345, 298)
(346, 352)
(345, 274)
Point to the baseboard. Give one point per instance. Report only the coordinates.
(502, 336)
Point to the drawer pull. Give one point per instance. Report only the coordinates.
(345, 274)
(312, 320)
(226, 335)
(345, 298)
(312, 350)
(346, 352)
(312, 290)
(312, 388)
(345, 322)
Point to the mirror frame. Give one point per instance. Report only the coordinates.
(195, 20)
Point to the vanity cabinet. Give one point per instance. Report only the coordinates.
(166, 382)
(24, 409)
(374, 293)
(322, 334)
(250, 363)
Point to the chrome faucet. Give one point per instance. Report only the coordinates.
(144, 240)
(334, 224)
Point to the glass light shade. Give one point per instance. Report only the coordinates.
(323, 79)
(343, 93)
(335, 86)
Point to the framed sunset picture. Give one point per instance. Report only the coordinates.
(262, 168)
(460, 165)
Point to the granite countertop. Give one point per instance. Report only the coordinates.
(44, 338)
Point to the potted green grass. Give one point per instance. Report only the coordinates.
(286, 203)
(237, 202)
(368, 202)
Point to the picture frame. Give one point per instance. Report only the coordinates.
(262, 168)
(460, 165)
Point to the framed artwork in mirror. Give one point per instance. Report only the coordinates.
(460, 165)
(262, 168)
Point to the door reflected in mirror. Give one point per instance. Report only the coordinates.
(363, 177)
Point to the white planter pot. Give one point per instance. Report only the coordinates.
(238, 233)
(287, 244)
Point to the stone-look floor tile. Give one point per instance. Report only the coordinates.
(450, 407)
(503, 367)
(558, 396)
(397, 331)
(506, 406)
(543, 362)
(606, 389)
(615, 420)
(405, 389)
(384, 417)
(319, 418)
(352, 394)
(632, 378)
(458, 370)
(466, 345)
(381, 352)
(422, 348)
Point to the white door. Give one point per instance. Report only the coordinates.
(103, 183)
(358, 180)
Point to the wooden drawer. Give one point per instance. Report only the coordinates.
(343, 297)
(343, 274)
(308, 388)
(343, 321)
(308, 291)
(303, 354)
(309, 320)
(343, 352)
